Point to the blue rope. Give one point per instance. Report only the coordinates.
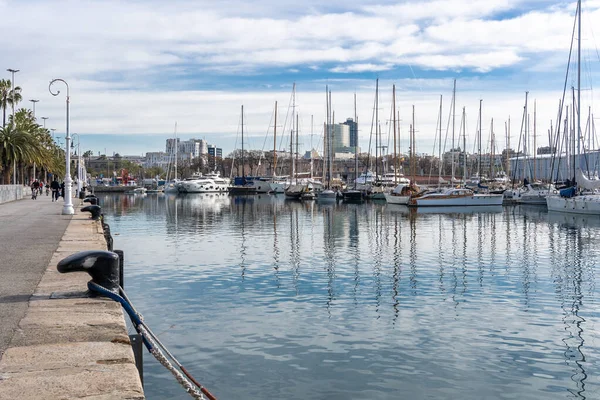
(135, 318)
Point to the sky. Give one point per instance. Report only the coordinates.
(135, 68)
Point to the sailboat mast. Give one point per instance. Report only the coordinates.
(464, 124)
(534, 139)
(493, 155)
(275, 143)
(311, 137)
(331, 153)
(453, 124)
(412, 147)
(297, 134)
(325, 127)
(395, 155)
(440, 143)
(508, 153)
(578, 82)
(479, 142)
(355, 144)
(293, 174)
(243, 160)
(176, 148)
(326, 138)
(376, 127)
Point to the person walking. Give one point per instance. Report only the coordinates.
(34, 189)
(54, 186)
(62, 190)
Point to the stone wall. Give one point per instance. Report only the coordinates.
(69, 345)
(13, 192)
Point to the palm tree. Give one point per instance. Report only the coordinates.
(6, 97)
(26, 143)
(17, 146)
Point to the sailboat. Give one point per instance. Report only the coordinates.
(241, 186)
(397, 195)
(452, 197)
(574, 199)
(354, 194)
(327, 194)
(173, 186)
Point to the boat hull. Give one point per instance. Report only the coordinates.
(353, 195)
(532, 200)
(586, 204)
(465, 201)
(242, 190)
(393, 199)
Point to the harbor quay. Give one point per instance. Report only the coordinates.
(56, 342)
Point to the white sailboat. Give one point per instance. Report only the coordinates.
(173, 185)
(569, 200)
(400, 194)
(327, 194)
(453, 197)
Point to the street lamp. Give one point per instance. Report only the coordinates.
(34, 101)
(12, 81)
(44, 118)
(68, 206)
(78, 162)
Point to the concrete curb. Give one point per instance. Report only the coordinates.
(69, 346)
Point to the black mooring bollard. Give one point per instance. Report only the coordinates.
(121, 255)
(94, 210)
(102, 266)
(92, 200)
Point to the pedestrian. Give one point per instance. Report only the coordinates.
(55, 186)
(62, 190)
(34, 188)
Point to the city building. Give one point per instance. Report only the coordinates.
(353, 127)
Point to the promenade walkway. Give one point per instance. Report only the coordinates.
(55, 342)
(30, 231)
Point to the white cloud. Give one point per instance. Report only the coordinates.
(361, 68)
(135, 67)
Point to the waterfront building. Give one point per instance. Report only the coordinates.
(157, 159)
(172, 144)
(524, 166)
(353, 129)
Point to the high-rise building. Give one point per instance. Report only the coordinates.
(172, 144)
(340, 141)
(353, 131)
(214, 153)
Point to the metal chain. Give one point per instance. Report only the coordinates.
(183, 381)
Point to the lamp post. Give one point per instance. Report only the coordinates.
(68, 206)
(12, 95)
(12, 81)
(78, 161)
(34, 101)
(44, 119)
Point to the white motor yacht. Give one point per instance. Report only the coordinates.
(209, 183)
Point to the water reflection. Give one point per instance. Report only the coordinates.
(364, 300)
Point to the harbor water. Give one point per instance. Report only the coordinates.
(265, 298)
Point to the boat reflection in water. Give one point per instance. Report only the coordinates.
(341, 300)
(444, 210)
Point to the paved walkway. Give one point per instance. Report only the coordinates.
(30, 231)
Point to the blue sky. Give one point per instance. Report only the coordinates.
(137, 67)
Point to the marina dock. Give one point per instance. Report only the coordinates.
(55, 341)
